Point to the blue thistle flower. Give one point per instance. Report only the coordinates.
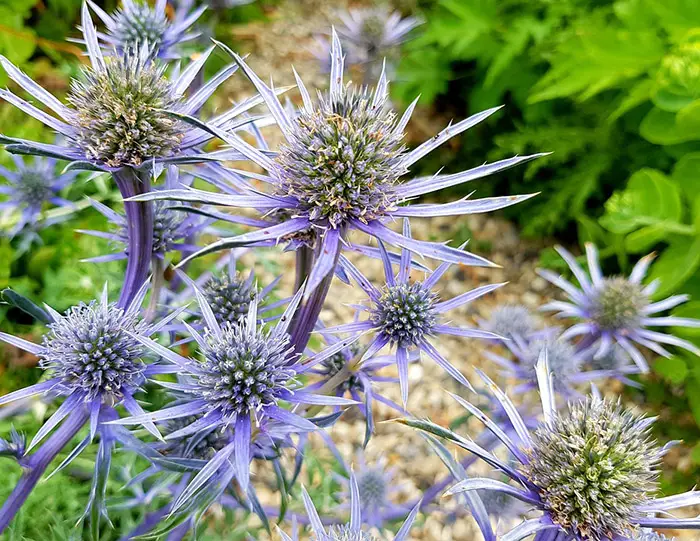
(407, 314)
(32, 186)
(243, 374)
(591, 468)
(173, 230)
(117, 117)
(341, 168)
(352, 531)
(377, 486)
(136, 24)
(617, 310)
(511, 320)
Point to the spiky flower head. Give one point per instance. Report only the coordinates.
(563, 360)
(372, 483)
(342, 159)
(119, 111)
(229, 296)
(15, 446)
(618, 303)
(346, 533)
(244, 368)
(136, 24)
(650, 536)
(90, 350)
(376, 30)
(405, 313)
(511, 320)
(594, 464)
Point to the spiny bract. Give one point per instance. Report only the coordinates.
(594, 464)
(344, 533)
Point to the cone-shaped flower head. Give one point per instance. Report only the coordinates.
(594, 464)
(374, 31)
(617, 310)
(229, 296)
(136, 24)
(511, 320)
(591, 468)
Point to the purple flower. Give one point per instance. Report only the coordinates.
(351, 531)
(408, 314)
(31, 187)
(117, 117)
(15, 447)
(173, 229)
(375, 31)
(510, 320)
(243, 374)
(136, 24)
(617, 310)
(376, 485)
(590, 468)
(341, 168)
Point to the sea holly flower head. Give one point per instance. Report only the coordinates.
(243, 372)
(593, 465)
(173, 229)
(376, 30)
(511, 320)
(591, 468)
(405, 314)
(352, 531)
(340, 168)
(617, 310)
(136, 24)
(117, 116)
(14, 447)
(32, 186)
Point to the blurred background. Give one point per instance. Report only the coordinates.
(611, 89)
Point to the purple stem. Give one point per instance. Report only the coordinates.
(38, 462)
(150, 521)
(139, 221)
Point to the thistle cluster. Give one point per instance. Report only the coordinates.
(342, 159)
(594, 465)
(618, 304)
(92, 350)
(137, 24)
(120, 111)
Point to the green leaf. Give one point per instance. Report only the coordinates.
(13, 298)
(650, 199)
(643, 239)
(672, 102)
(686, 173)
(692, 390)
(665, 128)
(672, 369)
(689, 309)
(676, 264)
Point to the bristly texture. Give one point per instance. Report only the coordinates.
(32, 186)
(136, 24)
(342, 159)
(511, 320)
(341, 167)
(594, 465)
(244, 369)
(117, 119)
(591, 469)
(345, 533)
(617, 310)
(229, 297)
(119, 111)
(90, 350)
(202, 447)
(405, 313)
(650, 536)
